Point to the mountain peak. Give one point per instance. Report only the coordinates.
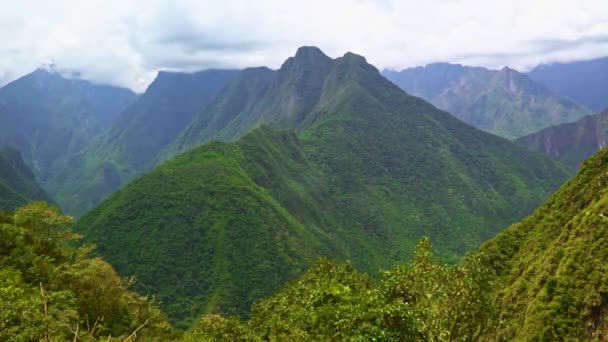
(307, 56)
(354, 58)
(310, 53)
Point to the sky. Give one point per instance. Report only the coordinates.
(125, 43)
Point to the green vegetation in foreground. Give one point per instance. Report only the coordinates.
(552, 267)
(52, 291)
(421, 301)
(17, 183)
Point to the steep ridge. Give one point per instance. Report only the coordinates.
(17, 183)
(48, 117)
(370, 171)
(504, 102)
(552, 265)
(571, 143)
(132, 145)
(583, 81)
(279, 98)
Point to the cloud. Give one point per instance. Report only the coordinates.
(127, 42)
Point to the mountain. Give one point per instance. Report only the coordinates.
(280, 98)
(504, 102)
(130, 147)
(17, 183)
(583, 81)
(551, 266)
(571, 143)
(363, 172)
(48, 117)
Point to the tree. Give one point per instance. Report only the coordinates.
(447, 303)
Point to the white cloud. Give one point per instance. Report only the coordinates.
(126, 42)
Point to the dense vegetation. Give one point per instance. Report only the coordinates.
(420, 301)
(17, 183)
(552, 272)
(571, 143)
(131, 146)
(53, 291)
(583, 81)
(370, 171)
(542, 279)
(504, 102)
(49, 118)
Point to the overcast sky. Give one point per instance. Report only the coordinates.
(126, 42)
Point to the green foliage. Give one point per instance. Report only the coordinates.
(504, 102)
(552, 279)
(215, 328)
(329, 303)
(420, 301)
(20, 316)
(448, 303)
(50, 290)
(368, 171)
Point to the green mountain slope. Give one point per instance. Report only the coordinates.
(504, 102)
(48, 117)
(571, 143)
(370, 171)
(17, 183)
(583, 81)
(130, 147)
(552, 265)
(199, 230)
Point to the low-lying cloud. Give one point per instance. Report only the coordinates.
(127, 42)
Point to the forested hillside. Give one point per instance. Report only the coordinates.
(18, 185)
(552, 280)
(543, 279)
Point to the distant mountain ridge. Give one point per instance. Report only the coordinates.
(131, 146)
(48, 117)
(585, 82)
(18, 185)
(330, 158)
(504, 102)
(571, 143)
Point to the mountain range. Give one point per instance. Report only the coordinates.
(583, 81)
(571, 143)
(48, 117)
(132, 144)
(504, 102)
(337, 161)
